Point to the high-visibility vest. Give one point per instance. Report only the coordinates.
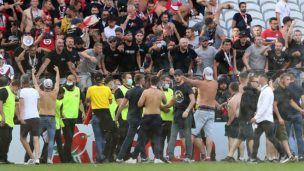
(9, 107)
(124, 112)
(168, 116)
(59, 122)
(71, 101)
(113, 107)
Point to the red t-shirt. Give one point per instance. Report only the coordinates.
(269, 35)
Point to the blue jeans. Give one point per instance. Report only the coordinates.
(48, 123)
(175, 128)
(99, 139)
(295, 122)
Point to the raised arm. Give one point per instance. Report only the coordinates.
(57, 84)
(36, 86)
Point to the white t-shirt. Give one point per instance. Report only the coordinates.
(30, 97)
(110, 31)
(284, 10)
(7, 70)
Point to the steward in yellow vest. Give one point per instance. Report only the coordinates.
(7, 113)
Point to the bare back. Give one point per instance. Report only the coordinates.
(207, 92)
(234, 105)
(153, 100)
(47, 102)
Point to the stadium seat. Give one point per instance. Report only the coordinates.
(268, 5)
(296, 15)
(257, 21)
(228, 14)
(294, 1)
(253, 6)
(293, 7)
(268, 14)
(255, 14)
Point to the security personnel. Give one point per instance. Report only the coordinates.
(7, 113)
(119, 96)
(59, 122)
(71, 104)
(167, 113)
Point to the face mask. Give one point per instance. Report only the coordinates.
(130, 82)
(166, 86)
(68, 83)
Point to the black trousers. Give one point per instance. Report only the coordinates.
(59, 144)
(123, 131)
(166, 132)
(68, 133)
(268, 128)
(150, 128)
(5, 141)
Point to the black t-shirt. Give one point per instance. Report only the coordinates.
(282, 96)
(59, 12)
(111, 58)
(74, 32)
(12, 37)
(182, 60)
(295, 93)
(74, 56)
(143, 50)
(133, 95)
(128, 61)
(60, 60)
(32, 61)
(160, 59)
(240, 50)
(276, 62)
(223, 67)
(3, 95)
(293, 47)
(112, 11)
(240, 22)
(133, 25)
(181, 93)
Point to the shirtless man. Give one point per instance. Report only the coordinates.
(47, 104)
(204, 115)
(233, 112)
(29, 16)
(151, 99)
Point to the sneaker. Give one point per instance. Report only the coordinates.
(37, 162)
(144, 160)
(131, 161)
(289, 159)
(119, 160)
(30, 161)
(301, 158)
(207, 159)
(158, 161)
(49, 161)
(228, 159)
(187, 160)
(253, 161)
(167, 159)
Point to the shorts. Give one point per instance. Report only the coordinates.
(232, 131)
(31, 126)
(245, 131)
(280, 132)
(204, 119)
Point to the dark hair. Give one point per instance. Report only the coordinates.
(208, 21)
(257, 26)
(25, 80)
(263, 76)
(138, 78)
(227, 41)
(234, 86)
(72, 8)
(154, 80)
(273, 19)
(3, 81)
(281, 40)
(242, 3)
(190, 28)
(244, 75)
(124, 75)
(15, 83)
(61, 91)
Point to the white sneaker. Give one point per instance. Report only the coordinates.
(30, 161)
(37, 162)
(131, 161)
(187, 160)
(158, 161)
(49, 161)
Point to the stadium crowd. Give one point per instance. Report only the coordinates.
(157, 69)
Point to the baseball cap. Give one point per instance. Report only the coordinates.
(48, 83)
(111, 38)
(178, 72)
(208, 73)
(287, 19)
(204, 38)
(243, 34)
